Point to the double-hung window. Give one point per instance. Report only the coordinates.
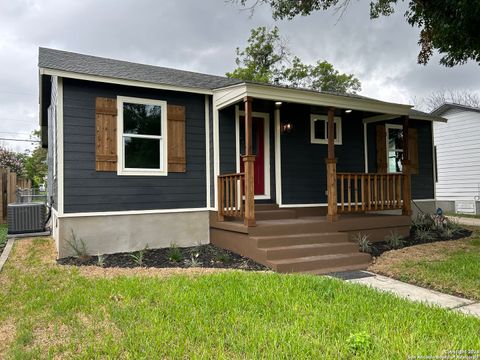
(319, 129)
(142, 127)
(394, 148)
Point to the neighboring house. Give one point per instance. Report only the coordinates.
(458, 158)
(149, 156)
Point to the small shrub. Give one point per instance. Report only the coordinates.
(139, 256)
(423, 221)
(424, 236)
(100, 260)
(78, 246)
(453, 226)
(359, 343)
(447, 233)
(395, 240)
(174, 253)
(363, 242)
(193, 261)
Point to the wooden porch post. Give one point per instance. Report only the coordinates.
(249, 160)
(331, 169)
(407, 193)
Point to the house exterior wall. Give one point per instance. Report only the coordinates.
(86, 190)
(109, 234)
(303, 163)
(423, 183)
(458, 160)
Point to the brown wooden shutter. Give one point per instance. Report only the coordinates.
(381, 149)
(106, 134)
(176, 138)
(413, 150)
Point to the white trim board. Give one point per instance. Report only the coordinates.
(110, 80)
(60, 146)
(207, 149)
(132, 212)
(266, 145)
(278, 157)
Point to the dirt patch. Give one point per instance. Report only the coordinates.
(388, 263)
(99, 272)
(7, 335)
(202, 256)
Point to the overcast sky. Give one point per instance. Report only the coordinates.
(202, 36)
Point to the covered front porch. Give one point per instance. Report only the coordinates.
(301, 174)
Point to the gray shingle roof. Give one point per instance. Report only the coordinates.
(447, 106)
(94, 65)
(423, 115)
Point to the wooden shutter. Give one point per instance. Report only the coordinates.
(381, 149)
(106, 134)
(413, 150)
(176, 138)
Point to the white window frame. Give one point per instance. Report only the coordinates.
(387, 139)
(337, 120)
(121, 169)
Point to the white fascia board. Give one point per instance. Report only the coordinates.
(385, 117)
(109, 80)
(232, 94)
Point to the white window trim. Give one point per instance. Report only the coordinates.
(121, 170)
(387, 140)
(336, 119)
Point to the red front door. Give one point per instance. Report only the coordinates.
(258, 149)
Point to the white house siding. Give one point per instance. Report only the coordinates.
(458, 157)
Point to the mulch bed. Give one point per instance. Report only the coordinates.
(202, 256)
(379, 248)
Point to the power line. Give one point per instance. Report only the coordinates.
(7, 139)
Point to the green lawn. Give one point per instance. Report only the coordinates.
(452, 266)
(53, 311)
(3, 235)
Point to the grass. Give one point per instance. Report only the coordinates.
(3, 235)
(452, 266)
(52, 311)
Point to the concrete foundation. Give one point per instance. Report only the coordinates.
(109, 234)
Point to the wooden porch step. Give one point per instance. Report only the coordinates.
(299, 239)
(295, 251)
(320, 262)
(264, 207)
(325, 271)
(276, 214)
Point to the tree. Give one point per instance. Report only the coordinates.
(35, 163)
(449, 26)
(267, 59)
(12, 160)
(438, 98)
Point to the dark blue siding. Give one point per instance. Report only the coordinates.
(303, 163)
(87, 190)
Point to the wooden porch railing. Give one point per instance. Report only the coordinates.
(230, 195)
(369, 192)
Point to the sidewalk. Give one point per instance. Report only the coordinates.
(412, 292)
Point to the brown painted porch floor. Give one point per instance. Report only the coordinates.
(292, 243)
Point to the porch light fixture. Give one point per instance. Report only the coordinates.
(348, 111)
(287, 127)
(278, 103)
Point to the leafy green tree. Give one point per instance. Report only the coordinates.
(35, 165)
(449, 26)
(267, 59)
(12, 160)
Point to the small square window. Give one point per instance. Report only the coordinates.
(319, 129)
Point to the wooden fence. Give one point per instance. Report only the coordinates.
(9, 182)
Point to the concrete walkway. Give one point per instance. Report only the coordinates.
(416, 293)
(465, 220)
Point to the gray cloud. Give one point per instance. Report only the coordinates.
(202, 36)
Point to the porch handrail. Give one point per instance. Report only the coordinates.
(230, 195)
(369, 191)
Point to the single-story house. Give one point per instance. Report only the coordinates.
(458, 162)
(150, 156)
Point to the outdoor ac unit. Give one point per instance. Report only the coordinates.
(26, 218)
